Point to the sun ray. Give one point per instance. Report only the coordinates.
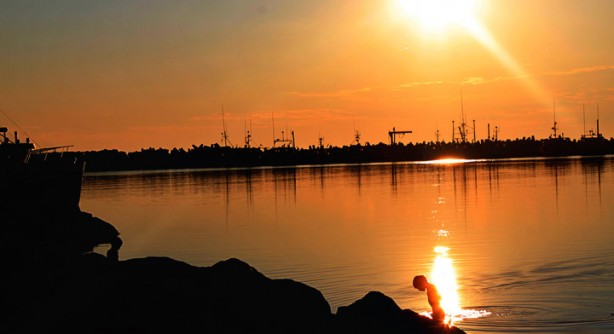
(490, 43)
(436, 16)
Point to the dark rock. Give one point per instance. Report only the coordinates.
(378, 313)
(154, 295)
(53, 282)
(47, 240)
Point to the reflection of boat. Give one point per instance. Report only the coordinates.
(37, 179)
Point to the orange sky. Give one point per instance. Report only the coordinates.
(147, 73)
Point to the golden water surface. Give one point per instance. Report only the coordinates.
(530, 243)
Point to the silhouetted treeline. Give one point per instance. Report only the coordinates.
(216, 156)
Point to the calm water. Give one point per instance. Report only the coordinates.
(531, 241)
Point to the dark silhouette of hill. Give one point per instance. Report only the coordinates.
(216, 156)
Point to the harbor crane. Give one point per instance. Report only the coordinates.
(394, 133)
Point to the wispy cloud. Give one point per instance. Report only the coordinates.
(480, 81)
(581, 70)
(205, 118)
(314, 114)
(340, 93)
(470, 81)
(364, 90)
(571, 72)
(418, 84)
(477, 81)
(473, 81)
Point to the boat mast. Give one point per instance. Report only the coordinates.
(453, 130)
(583, 121)
(598, 135)
(248, 133)
(554, 117)
(224, 133)
(273, 121)
(463, 129)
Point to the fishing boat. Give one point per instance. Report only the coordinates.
(37, 179)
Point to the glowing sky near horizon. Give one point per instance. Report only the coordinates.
(131, 74)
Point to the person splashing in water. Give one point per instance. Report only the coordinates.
(421, 283)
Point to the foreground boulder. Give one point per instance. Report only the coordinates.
(155, 295)
(378, 313)
(162, 295)
(53, 282)
(44, 240)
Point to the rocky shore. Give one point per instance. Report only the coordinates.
(53, 282)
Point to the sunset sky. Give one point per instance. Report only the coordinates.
(104, 74)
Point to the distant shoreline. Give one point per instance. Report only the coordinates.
(220, 157)
(365, 164)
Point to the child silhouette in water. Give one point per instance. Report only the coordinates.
(421, 283)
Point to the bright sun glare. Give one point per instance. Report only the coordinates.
(443, 275)
(444, 278)
(437, 15)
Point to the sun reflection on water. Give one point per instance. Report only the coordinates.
(446, 161)
(443, 275)
(444, 278)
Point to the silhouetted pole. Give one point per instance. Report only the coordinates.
(452, 131)
(224, 134)
(391, 134)
(488, 131)
(273, 121)
(598, 135)
(554, 117)
(474, 130)
(583, 121)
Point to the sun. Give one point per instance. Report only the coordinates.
(439, 15)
